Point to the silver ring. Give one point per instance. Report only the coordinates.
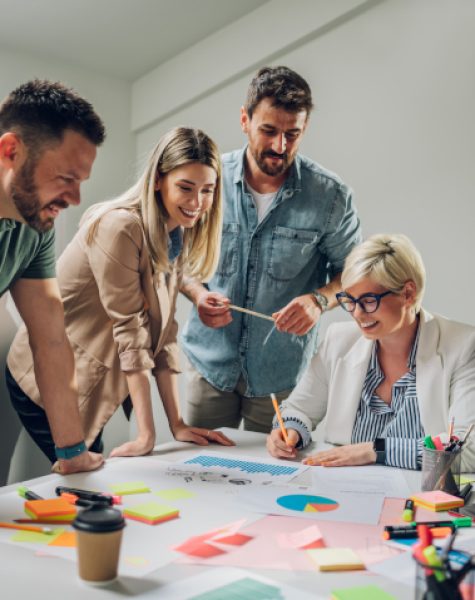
(208, 433)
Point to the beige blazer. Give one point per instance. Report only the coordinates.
(445, 381)
(119, 317)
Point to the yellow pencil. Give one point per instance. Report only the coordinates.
(26, 528)
(279, 418)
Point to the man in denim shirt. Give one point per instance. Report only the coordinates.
(288, 226)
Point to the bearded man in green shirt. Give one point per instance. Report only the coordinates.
(48, 141)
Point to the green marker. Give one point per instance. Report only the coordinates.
(24, 492)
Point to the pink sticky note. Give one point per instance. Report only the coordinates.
(307, 538)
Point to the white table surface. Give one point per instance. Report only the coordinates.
(23, 575)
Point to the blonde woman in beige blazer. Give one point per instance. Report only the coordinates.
(119, 279)
(389, 378)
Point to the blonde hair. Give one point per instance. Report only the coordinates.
(201, 243)
(388, 259)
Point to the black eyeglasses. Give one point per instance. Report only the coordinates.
(368, 303)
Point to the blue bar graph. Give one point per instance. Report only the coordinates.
(241, 465)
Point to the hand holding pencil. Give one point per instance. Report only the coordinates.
(282, 441)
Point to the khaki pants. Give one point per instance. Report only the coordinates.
(211, 408)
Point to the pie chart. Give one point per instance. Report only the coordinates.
(305, 503)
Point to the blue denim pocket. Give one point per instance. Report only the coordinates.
(291, 251)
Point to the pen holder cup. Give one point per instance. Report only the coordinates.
(458, 582)
(441, 470)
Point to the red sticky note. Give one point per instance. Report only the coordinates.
(195, 546)
(237, 539)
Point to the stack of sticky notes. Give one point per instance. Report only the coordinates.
(361, 592)
(437, 500)
(56, 509)
(336, 559)
(151, 513)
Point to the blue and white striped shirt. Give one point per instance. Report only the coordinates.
(399, 422)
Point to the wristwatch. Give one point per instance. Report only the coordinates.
(379, 446)
(322, 301)
(69, 452)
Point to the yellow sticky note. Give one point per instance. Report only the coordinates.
(175, 494)
(34, 537)
(336, 559)
(132, 487)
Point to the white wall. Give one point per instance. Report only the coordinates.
(112, 172)
(394, 86)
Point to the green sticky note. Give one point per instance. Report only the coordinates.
(466, 479)
(33, 537)
(175, 494)
(362, 592)
(151, 512)
(243, 589)
(133, 487)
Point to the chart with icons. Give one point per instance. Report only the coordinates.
(306, 503)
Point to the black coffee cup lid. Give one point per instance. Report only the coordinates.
(99, 519)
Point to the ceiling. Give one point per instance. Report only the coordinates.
(122, 38)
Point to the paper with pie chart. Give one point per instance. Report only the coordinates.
(310, 503)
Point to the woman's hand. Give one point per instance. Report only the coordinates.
(184, 433)
(139, 447)
(344, 456)
(277, 446)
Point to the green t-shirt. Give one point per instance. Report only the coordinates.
(24, 252)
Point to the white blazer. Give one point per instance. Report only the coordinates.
(445, 381)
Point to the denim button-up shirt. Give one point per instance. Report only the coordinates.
(301, 243)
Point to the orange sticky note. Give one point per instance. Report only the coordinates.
(66, 540)
(57, 508)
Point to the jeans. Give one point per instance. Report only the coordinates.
(35, 421)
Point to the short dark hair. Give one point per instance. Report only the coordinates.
(40, 111)
(287, 89)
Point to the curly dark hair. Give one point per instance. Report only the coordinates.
(40, 111)
(286, 88)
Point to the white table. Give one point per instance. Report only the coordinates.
(24, 575)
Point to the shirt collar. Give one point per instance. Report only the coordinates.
(6, 224)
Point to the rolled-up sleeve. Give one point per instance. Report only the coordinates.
(114, 257)
(343, 231)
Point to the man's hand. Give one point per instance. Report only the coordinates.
(197, 435)
(87, 461)
(213, 309)
(299, 316)
(344, 456)
(278, 448)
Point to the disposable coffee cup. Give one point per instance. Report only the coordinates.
(441, 470)
(99, 534)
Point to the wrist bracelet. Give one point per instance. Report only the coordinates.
(69, 452)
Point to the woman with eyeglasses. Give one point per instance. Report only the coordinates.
(389, 378)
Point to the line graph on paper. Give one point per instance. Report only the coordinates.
(241, 466)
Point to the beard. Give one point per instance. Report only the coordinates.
(268, 169)
(24, 194)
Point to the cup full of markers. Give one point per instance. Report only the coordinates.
(441, 461)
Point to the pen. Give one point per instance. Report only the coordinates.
(436, 532)
(451, 428)
(459, 522)
(408, 512)
(279, 418)
(26, 528)
(465, 492)
(85, 494)
(24, 492)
